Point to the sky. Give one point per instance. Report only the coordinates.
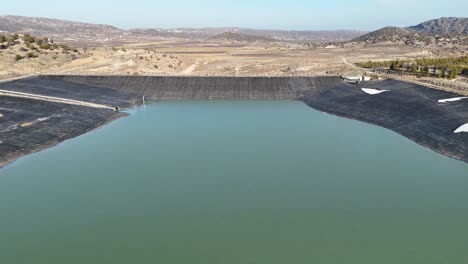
(260, 14)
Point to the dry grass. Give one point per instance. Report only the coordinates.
(206, 59)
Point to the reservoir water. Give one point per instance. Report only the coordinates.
(234, 182)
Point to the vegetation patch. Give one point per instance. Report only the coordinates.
(436, 67)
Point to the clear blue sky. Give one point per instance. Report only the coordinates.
(271, 14)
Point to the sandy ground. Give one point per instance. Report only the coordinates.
(206, 59)
(203, 58)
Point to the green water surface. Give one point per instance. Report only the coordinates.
(221, 182)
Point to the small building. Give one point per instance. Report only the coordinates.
(356, 78)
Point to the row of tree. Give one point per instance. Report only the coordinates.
(440, 67)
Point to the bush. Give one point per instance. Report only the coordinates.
(45, 46)
(64, 48)
(464, 71)
(31, 55)
(14, 36)
(28, 39)
(18, 57)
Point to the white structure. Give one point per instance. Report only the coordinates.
(373, 91)
(461, 129)
(352, 78)
(357, 78)
(452, 99)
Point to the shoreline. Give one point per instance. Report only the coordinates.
(46, 147)
(408, 109)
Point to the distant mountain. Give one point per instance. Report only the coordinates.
(62, 29)
(55, 27)
(281, 35)
(444, 25)
(393, 34)
(241, 37)
(442, 31)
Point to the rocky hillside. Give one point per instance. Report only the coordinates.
(55, 28)
(26, 54)
(443, 26)
(441, 32)
(390, 34)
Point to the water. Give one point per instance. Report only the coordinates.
(234, 182)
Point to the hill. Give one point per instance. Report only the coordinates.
(443, 26)
(69, 30)
(392, 34)
(442, 32)
(61, 29)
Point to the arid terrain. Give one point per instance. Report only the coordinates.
(178, 57)
(220, 51)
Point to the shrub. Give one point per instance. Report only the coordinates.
(18, 57)
(28, 38)
(31, 55)
(45, 45)
(14, 36)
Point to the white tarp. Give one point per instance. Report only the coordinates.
(452, 99)
(373, 91)
(461, 129)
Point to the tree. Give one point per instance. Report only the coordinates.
(453, 72)
(439, 74)
(443, 71)
(414, 68)
(426, 71)
(2, 38)
(464, 71)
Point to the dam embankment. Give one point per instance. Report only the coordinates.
(28, 125)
